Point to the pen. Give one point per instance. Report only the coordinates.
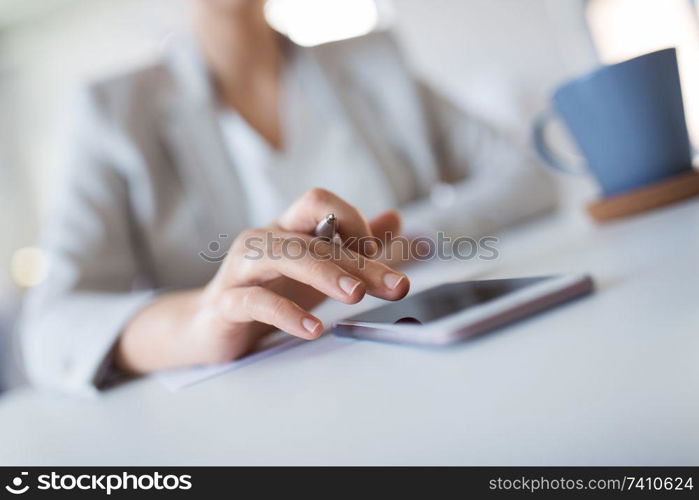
(327, 227)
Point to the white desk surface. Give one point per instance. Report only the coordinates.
(611, 379)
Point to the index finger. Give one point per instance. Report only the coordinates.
(304, 215)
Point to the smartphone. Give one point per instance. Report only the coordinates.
(453, 312)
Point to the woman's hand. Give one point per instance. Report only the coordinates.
(269, 280)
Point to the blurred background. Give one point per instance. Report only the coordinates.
(499, 58)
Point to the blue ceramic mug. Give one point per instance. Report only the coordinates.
(628, 121)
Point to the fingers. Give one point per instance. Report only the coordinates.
(255, 303)
(378, 279)
(303, 216)
(335, 271)
(289, 255)
(395, 250)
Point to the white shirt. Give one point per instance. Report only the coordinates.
(320, 150)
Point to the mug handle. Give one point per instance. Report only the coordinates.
(542, 147)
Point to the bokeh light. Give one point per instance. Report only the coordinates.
(28, 266)
(312, 22)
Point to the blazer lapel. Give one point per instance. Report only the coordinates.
(358, 85)
(194, 137)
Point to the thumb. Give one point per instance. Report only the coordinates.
(386, 225)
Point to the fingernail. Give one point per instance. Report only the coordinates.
(392, 280)
(310, 324)
(349, 285)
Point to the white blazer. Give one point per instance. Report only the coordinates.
(149, 184)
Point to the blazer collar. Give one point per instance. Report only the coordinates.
(186, 61)
(194, 138)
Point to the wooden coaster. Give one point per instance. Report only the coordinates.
(664, 193)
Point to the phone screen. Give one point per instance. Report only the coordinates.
(444, 300)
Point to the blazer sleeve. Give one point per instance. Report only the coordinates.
(72, 319)
(488, 183)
